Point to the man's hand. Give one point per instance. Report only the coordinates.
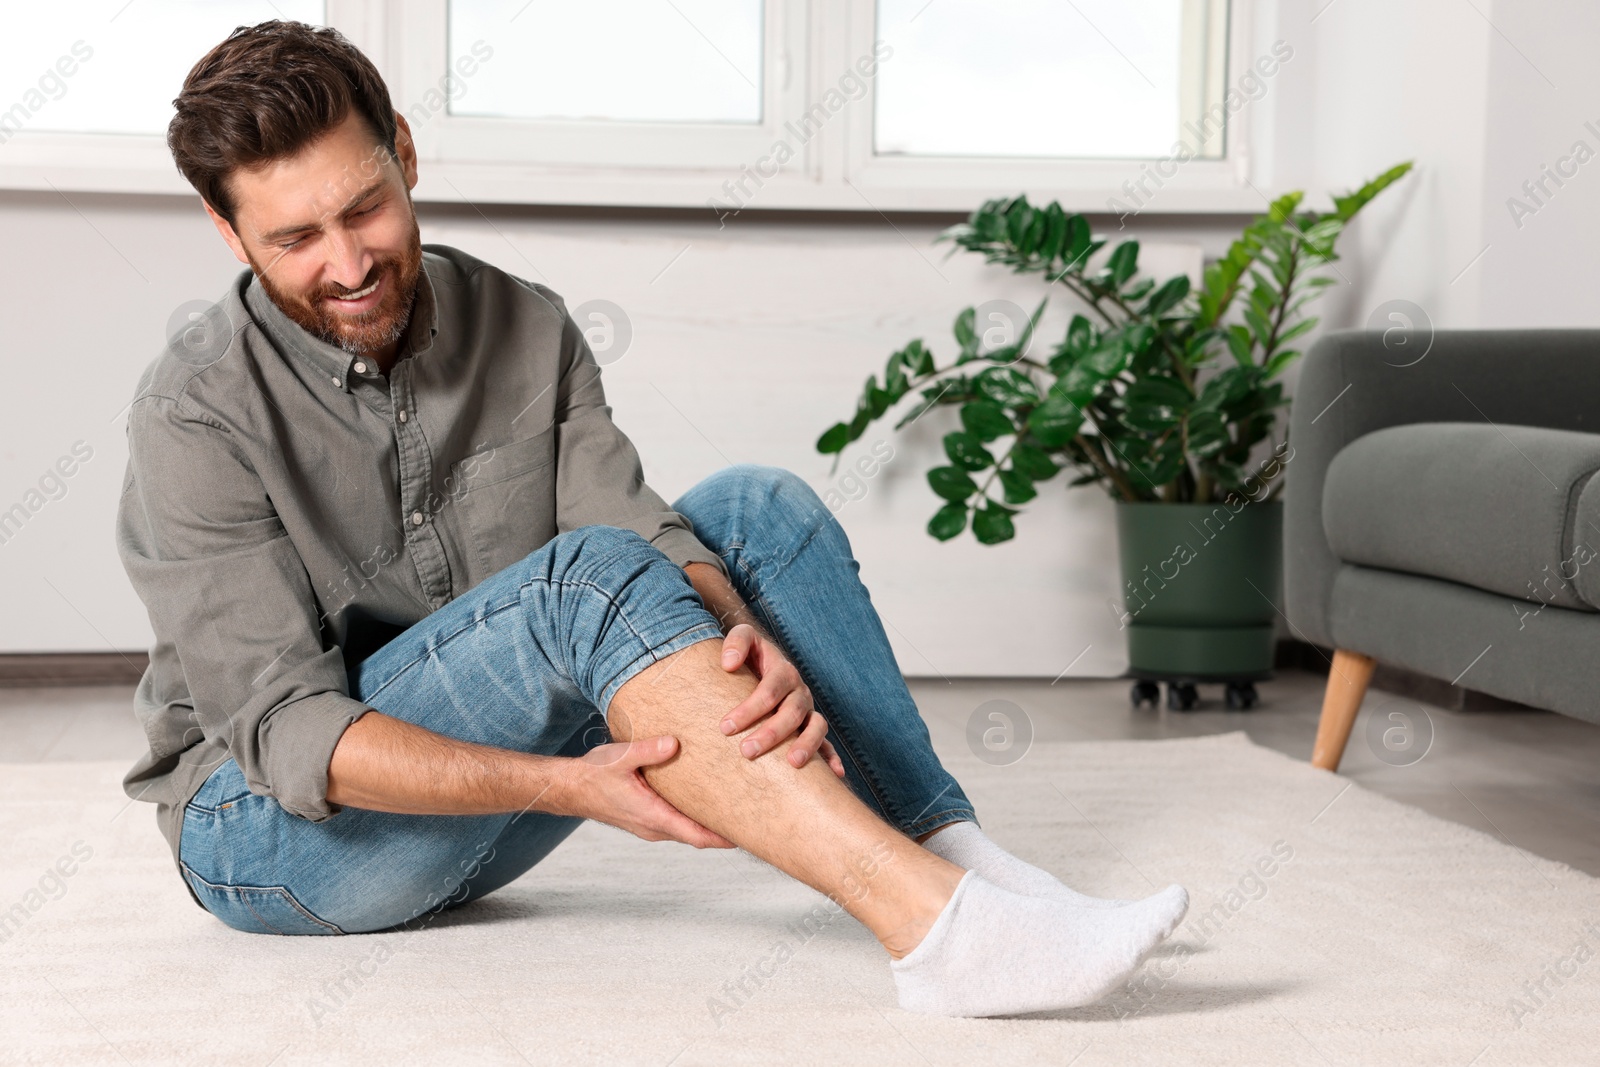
(605, 784)
(781, 698)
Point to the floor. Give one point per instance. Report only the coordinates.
(1530, 778)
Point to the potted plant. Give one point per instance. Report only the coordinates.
(1165, 395)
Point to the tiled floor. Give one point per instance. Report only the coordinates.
(1530, 778)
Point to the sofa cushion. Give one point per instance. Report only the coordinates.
(1507, 509)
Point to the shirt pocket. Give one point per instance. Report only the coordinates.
(507, 501)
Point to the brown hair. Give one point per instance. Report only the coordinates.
(265, 93)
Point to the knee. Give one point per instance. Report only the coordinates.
(765, 486)
(591, 550)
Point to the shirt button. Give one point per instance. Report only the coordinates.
(416, 518)
(336, 381)
(361, 368)
(402, 414)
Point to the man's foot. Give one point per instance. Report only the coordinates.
(994, 952)
(966, 845)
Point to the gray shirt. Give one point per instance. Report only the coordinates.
(287, 509)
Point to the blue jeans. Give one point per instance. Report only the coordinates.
(529, 659)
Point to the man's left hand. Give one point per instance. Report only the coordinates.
(781, 698)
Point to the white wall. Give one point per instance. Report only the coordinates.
(749, 341)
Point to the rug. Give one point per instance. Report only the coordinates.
(1328, 925)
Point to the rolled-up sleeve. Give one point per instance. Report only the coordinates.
(599, 479)
(227, 592)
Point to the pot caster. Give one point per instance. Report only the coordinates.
(1241, 696)
(1181, 696)
(1145, 693)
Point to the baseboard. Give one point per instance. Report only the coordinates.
(1305, 656)
(71, 668)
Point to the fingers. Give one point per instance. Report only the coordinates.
(649, 751)
(812, 738)
(737, 644)
(789, 718)
(768, 693)
(835, 764)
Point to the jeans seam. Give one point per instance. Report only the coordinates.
(290, 897)
(478, 620)
(835, 726)
(961, 814)
(714, 632)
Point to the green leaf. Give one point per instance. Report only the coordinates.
(1207, 434)
(966, 334)
(953, 390)
(986, 419)
(992, 524)
(948, 521)
(1124, 262)
(952, 483)
(1323, 232)
(1079, 386)
(1158, 392)
(1034, 462)
(1018, 487)
(1056, 421)
(1080, 335)
(1226, 388)
(878, 400)
(918, 359)
(1079, 245)
(1137, 291)
(1299, 328)
(1169, 296)
(1239, 343)
(1162, 467)
(1007, 386)
(1278, 363)
(966, 451)
(1281, 210)
(894, 376)
(1348, 206)
(1055, 233)
(834, 438)
(1109, 360)
(1149, 421)
(1258, 325)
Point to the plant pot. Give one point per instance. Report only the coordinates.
(1200, 585)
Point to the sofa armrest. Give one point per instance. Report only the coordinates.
(1351, 385)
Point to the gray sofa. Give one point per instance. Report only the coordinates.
(1442, 515)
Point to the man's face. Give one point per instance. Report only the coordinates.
(332, 235)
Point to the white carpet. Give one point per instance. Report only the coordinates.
(1390, 936)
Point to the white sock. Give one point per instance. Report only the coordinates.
(966, 845)
(994, 952)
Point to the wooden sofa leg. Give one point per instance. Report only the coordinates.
(1347, 685)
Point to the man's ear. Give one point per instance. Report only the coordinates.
(405, 149)
(225, 228)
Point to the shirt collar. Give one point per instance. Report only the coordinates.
(333, 363)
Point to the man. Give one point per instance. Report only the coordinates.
(417, 615)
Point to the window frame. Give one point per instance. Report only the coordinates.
(722, 167)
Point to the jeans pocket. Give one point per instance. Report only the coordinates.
(224, 787)
(269, 909)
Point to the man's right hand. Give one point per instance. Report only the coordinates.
(607, 784)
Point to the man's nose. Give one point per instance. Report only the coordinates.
(349, 262)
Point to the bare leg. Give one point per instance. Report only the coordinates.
(804, 821)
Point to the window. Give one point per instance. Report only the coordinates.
(114, 66)
(1038, 78)
(684, 61)
(720, 104)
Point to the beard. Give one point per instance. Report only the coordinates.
(371, 331)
